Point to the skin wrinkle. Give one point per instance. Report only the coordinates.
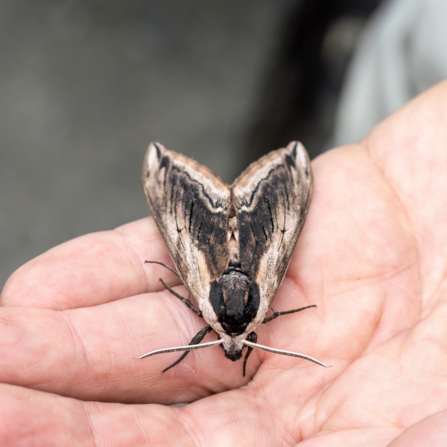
(376, 319)
(386, 421)
(436, 291)
(262, 402)
(368, 148)
(155, 295)
(417, 224)
(184, 395)
(106, 377)
(409, 338)
(367, 241)
(86, 408)
(295, 276)
(150, 237)
(378, 414)
(376, 323)
(140, 273)
(323, 389)
(202, 391)
(181, 415)
(303, 293)
(370, 280)
(373, 317)
(196, 390)
(407, 292)
(77, 341)
(229, 421)
(136, 416)
(316, 403)
(16, 343)
(360, 229)
(298, 286)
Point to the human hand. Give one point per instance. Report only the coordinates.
(372, 256)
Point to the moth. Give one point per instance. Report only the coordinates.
(231, 245)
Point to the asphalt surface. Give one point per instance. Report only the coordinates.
(86, 85)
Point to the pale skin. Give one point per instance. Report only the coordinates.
(372, 256)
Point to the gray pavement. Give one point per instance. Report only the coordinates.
(86, 85)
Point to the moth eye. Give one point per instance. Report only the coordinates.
(253, 301)
(217, 299)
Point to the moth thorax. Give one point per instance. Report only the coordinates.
(235, 288)
(235, 299)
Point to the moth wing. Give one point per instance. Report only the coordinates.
(190, 206)
(271, 200)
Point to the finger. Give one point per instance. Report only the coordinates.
(410, 149)
(430, 431)
(92, 269)
(233, 418)
(36, 418)
(92, 353)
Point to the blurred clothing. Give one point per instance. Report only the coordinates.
(401, 52)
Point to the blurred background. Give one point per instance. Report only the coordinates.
(85, 85)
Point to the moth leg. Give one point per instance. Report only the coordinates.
(164, 265)
(253, 337)
(195, 341)
(277, 314)
(185, 300)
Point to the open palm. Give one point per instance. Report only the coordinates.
(372, 257)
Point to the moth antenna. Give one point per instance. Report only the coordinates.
(280, 351)
(183, 348)
(164, 265)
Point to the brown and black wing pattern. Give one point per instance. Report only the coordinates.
(190, 206)
(271, 199)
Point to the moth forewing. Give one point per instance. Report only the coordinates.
(273, 196)
(231, 245)
(183, 212)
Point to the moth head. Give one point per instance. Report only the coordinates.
(235, 299)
